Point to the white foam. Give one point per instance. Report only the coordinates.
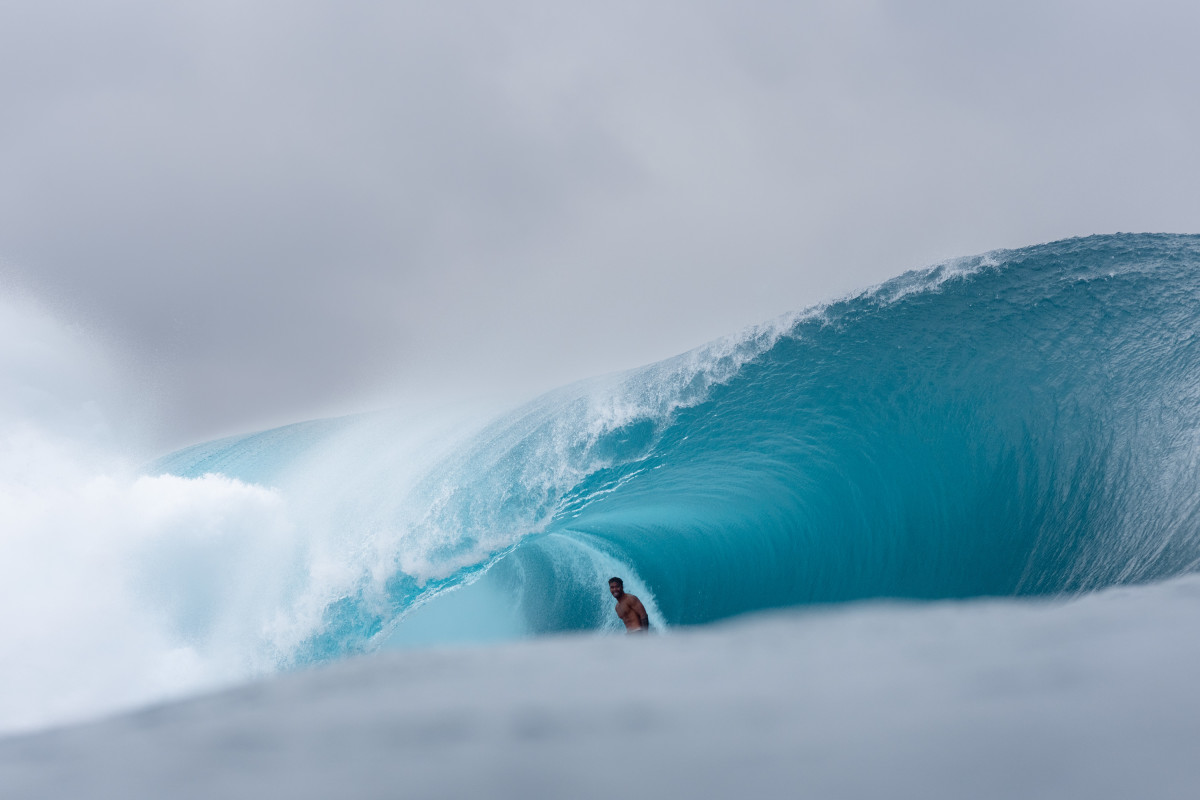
(115, 588)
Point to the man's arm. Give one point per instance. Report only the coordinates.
(640, 610)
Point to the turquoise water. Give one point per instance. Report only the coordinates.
(1020, 423)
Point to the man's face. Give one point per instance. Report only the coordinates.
(616, 589)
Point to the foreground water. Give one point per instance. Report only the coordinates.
(1090, 698)
(1018, 425)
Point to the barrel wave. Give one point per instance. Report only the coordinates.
(1024, 422)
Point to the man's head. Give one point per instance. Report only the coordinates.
(616, 586)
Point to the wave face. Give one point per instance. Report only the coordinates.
(1020, 423)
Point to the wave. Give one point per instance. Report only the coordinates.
(1019, 423)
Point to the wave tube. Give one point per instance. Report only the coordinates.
(1019, 423)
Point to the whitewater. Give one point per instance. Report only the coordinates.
(937, 537)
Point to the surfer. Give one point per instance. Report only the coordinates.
(629, 608)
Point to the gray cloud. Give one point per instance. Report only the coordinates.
(286, 208)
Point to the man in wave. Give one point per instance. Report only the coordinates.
(629, 608)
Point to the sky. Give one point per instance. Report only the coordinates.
(283, 210)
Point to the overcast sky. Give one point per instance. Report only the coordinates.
(287, 209)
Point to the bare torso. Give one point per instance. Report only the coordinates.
(632, 613)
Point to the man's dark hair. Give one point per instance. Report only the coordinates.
(617, 581)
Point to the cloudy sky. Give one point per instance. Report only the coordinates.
(287, 209)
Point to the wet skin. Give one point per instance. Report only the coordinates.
(630, 610)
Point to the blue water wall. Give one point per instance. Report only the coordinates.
(1024, 422)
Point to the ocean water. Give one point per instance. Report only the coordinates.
(1092, 697)
(1021, 425)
